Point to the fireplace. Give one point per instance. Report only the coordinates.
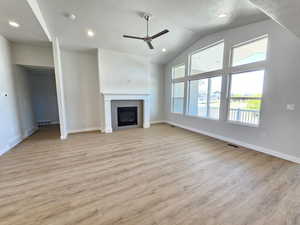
(112, 101)
(127, 116)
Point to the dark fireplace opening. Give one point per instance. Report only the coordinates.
(127, 116)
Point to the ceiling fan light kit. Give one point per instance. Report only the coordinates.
(148, 39)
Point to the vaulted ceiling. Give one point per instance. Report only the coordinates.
(187, 21)
(285, 12)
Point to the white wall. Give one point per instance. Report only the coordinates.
(126, 73)
(279, 128)
(121, 72)
(44, 96)
(16, 118)
(156, 86)
(24, 101)
(25, 54)
(81, 88)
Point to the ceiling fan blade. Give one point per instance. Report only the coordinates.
(159, 34)
(150, 45)
(133, 37)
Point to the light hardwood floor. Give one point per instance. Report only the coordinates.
(157, 176)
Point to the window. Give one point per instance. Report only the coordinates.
(254, 51)
(208, 59)
(178, 72)
(199, 93)
(245, 97)
(178, 97)
(246, 82)
(205, 97)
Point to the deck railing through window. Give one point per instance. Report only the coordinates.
(244, 116)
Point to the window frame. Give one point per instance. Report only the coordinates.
(246, 68)
(178, 80)
(172, 98)
(204, 75)
(226, 73)
(207, 99)
(253, 64)
(176, 66)
(208, 73)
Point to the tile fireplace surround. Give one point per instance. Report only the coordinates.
(107, 98)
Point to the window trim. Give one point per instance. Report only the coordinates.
(226, 73)
(200, 50)
(228, 98)
(176, 66)
(172, 102)
(245, 43)
(208, 98)
(178, 80)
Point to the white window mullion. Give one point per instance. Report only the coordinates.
(208, 97)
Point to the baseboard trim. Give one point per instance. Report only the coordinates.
(157, 122)
(17, 140)
(239, 143)
(82, 130)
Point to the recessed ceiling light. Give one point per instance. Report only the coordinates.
(90, 33)
(223, 15)
(13, 24)
(164, 50)
(70, 16)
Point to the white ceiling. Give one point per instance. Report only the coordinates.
(285, 12)
(187, 21)
(30, 29)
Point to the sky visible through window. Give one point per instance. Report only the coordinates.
(248, 84)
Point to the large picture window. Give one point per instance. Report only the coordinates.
(199, 93)
(205, 97)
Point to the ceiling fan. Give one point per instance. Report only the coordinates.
(148, 39)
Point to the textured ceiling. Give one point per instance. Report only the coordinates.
(187, 21)
(30, 29)
(285, 12)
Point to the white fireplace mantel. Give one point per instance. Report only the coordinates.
(107, 97)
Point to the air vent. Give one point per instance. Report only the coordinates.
(232, 145)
